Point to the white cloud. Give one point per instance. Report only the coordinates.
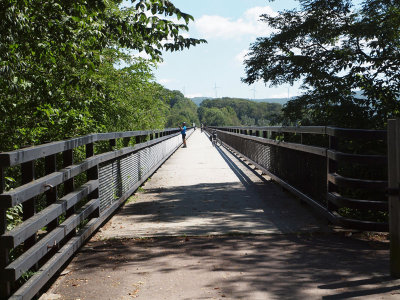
(240, 57)
(247, 24)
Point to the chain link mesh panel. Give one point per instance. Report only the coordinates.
(118, 176)
(304, 171)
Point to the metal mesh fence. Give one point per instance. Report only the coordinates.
(304, 171)
(118, 176)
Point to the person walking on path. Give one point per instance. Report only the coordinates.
(183, 132)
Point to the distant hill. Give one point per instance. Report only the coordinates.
(198, 100)
(272, 100)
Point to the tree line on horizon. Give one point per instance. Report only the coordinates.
(221, 111)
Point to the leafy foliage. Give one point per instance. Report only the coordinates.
(66, 70)
(334, 48)
(213, 116)
(238, 112)
(182, 109)
(57, 74)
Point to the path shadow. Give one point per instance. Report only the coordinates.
(244, 179)
(224, 207)
(281, 266)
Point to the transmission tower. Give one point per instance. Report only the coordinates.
(216, 90)
(254, 93)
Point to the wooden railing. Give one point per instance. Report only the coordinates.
(340, 172)
(66, 201)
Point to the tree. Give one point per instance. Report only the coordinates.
(52, 54)
(213, 116)
(131, 99)
(335, 49)
(183, 110)
(245, 112)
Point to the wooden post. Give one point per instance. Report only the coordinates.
(68, 160)
(28, 207)
(4, 252)
(92, 173)
(394, 198)
(331, 167)
(51, 194)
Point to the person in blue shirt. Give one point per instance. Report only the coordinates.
(183, 132)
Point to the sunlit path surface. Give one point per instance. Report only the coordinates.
(207, 226)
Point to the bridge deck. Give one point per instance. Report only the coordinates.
(202, 191)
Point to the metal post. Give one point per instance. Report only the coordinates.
(394, 198)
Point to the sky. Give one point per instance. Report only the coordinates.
(215, 69)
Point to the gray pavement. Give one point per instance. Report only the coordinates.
(207, 226)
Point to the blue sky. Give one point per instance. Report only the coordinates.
(229, 26)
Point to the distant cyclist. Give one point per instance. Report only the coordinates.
(213, 136)
(183, 132)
